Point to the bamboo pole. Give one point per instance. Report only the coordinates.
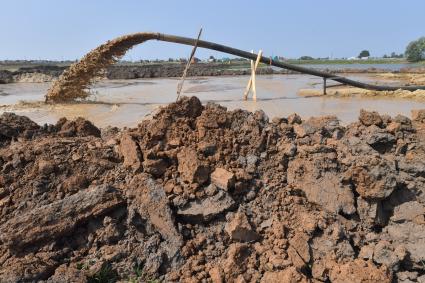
(192, 54)
(251, 82)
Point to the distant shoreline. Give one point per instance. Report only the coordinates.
(14, 72)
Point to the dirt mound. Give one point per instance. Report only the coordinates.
(202, 194)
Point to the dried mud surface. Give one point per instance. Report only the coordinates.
(202, 194)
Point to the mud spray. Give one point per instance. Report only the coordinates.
(73, 83)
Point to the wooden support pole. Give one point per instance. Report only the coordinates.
(192, 54)
(324, 86)
(254, 90)
(251, 82)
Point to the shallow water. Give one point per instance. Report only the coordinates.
(126, 102)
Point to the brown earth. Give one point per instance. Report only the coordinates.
(202, 194)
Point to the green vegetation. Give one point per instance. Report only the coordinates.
(415, 51)
(141, 276)
(364, 53)
(105, 275)
(306, 58)
(393, 55)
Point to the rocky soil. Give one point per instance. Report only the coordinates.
(202, 194)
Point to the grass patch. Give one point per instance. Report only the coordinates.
(141, 276)
(105, 275)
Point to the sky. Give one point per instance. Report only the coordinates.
(62, 30)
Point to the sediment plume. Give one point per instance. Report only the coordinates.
(202, 194)
(73, 82)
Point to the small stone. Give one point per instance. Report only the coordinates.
(46, 167)
(173, 143)
(169, 187)
(384, 254)
(251, 160)
(223, 179)
(393, 127)
(76, 157)
(300, 243)
(294, 119)
(374, 180)
(407, 276)
(296, 259)
(278, 120)
(211, 190)
(216, 274)
(237, 259)
(290, 275)
(240, 230)
(191, 169)
(418, 115)
(155, 167)
(302, 130)
(366, 252)
(359, 271)
(371, 212)
(3, 192)
(370, 118)
(131, 152)
(378, 139)
(65, 273)
(207, 209)
(408, 211)
(290, 150)
(207, 148)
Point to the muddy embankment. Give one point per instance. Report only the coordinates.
(202, 194)
(49, 73)
(348, 91)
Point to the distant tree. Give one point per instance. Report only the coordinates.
(364, 53)
(415, 51)
(385, 56)
(395, 55)
(306, 58)
(170, 59)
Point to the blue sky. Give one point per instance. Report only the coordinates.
(59, 29)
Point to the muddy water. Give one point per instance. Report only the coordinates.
(126, 102)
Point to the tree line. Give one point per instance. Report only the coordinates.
(415, 52)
